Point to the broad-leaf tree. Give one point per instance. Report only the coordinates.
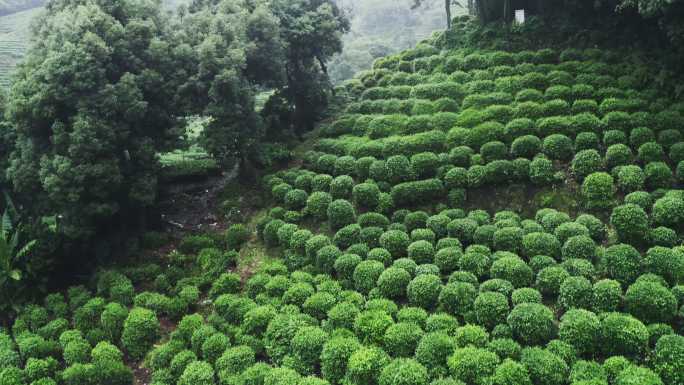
(90, 106)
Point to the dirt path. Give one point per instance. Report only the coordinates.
(191, 207)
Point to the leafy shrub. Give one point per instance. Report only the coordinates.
(366, 364)
(667, 362)
(598, 190)
(650, 302)
(668, 211)
(491, 308)
(586, 162)
(472, 364)
(531, 323)
(630, 222)
(396, 242)
(542, 171)
(317, 204)
(558, 146)
(366, 275)
(544, 367)
(341, 187)
(141, 330)
(512, 269)
(417, 192)
(424, 290)
(623, 263)
(366, 195)
(334, 357)
(540, 244)
(658, 175)
(623, 335)
(575, 292)
(401, 339)
(341, 213)
(393, 282)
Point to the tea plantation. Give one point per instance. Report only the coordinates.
(14, 31)
(381, 267)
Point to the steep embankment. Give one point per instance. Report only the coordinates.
(375, 265)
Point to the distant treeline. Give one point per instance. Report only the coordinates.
(13, 6)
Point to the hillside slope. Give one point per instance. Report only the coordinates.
(14, 39)
(375, 264)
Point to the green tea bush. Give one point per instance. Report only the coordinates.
(401, 339)
(512, 269)
(623, 263)
(586, 162)
(531, 323)
(540, 244)
(622, 334)
(630, 222)
(575, 292)
(334, 357)
(365, 365)
(668, 211)
(658, 175)
(317, 204)
(472, 364)
(666, 262)
(544, 367)
(396, 242)
(366, 275)
(421, 252)
(341, 187)
(340, 213)
(667, 361)
(141, 330)
(410, 193)
(598, 190)
(526, 146)
(650, 302)
(525, 295)
(542, 171)
(491, 309)
(586, 141)
(424, 291)
(550, 279)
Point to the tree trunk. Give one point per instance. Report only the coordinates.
(507, 12)
(447, 5)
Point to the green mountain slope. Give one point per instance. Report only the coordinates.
(14, 37)
(472, 217)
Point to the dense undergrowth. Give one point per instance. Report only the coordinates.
(377, 265)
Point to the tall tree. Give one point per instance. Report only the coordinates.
(311, 31)
(90, 110)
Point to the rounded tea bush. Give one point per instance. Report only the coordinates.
(366, 275)
(396, 242)
(607, 296)
(334, 357)
(393, 282)
(668, 360)
(471, 364)
(623, 334)
(532, 323)
(434, 349)
(366, 195)
(586, 162)
(401, 339)
(404, 371)
(365, 365)
(580, 328)
(575, 292)
(424, 291)
(341, 213)
(141, 330)
(558, 147)
(650, 302)
(491, 308)
(631, 222)
(317, 204)
(598, 190)
(512, 269)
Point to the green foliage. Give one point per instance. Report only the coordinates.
(531, 323)
(140, 331)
